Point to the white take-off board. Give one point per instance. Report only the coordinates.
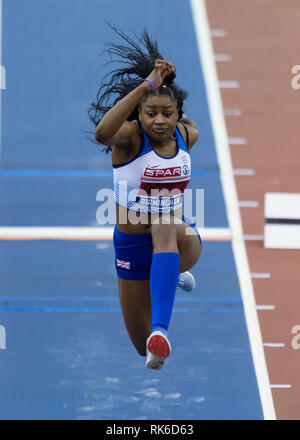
(282, 221)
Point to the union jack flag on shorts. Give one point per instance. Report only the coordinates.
(123, 264)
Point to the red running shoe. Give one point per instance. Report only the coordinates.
(158, 349)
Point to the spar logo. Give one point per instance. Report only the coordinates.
(163, 172)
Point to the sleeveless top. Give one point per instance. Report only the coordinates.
(151, 183)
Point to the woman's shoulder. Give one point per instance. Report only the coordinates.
(122, 153)
(189, 132)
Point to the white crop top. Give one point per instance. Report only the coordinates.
(151, 183)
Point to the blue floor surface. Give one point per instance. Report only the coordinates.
(68, 355)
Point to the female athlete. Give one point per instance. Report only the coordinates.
(150, 139)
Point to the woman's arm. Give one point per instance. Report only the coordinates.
(114, 129)
(187, 121)
(192, 129)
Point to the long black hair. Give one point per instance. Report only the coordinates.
(138, 58)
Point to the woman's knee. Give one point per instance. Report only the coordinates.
(164, 236)
(190, 248)
(188, 260)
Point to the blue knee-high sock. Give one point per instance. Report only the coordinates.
(164, 275)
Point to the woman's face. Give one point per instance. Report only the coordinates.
(159, 115)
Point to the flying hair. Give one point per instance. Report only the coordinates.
(136, 60)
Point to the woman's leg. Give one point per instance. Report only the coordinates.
(174, 237)
(135, 296)
(176, 248)
(135, 302)
(189, 246)
(165, 269)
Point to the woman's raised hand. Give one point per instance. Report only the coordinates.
(162, 68)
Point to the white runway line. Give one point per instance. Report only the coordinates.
(218, 33)
(274, 344)
(253, 237)
(243, 172)
(89, 233)
(282, 220)
(203, 35)
(281, 386)
(58, 233)
(221, 57)
(265, 307)
(215, 234)
(261, 275)
(237, 141)
(229, 84)
(232, 112)
(248, 204)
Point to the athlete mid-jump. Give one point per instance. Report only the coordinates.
(150, 139)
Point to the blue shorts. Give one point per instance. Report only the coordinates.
(133, 254)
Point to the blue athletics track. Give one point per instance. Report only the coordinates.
(65, 353)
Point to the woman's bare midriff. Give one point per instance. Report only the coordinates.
(126, 220)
